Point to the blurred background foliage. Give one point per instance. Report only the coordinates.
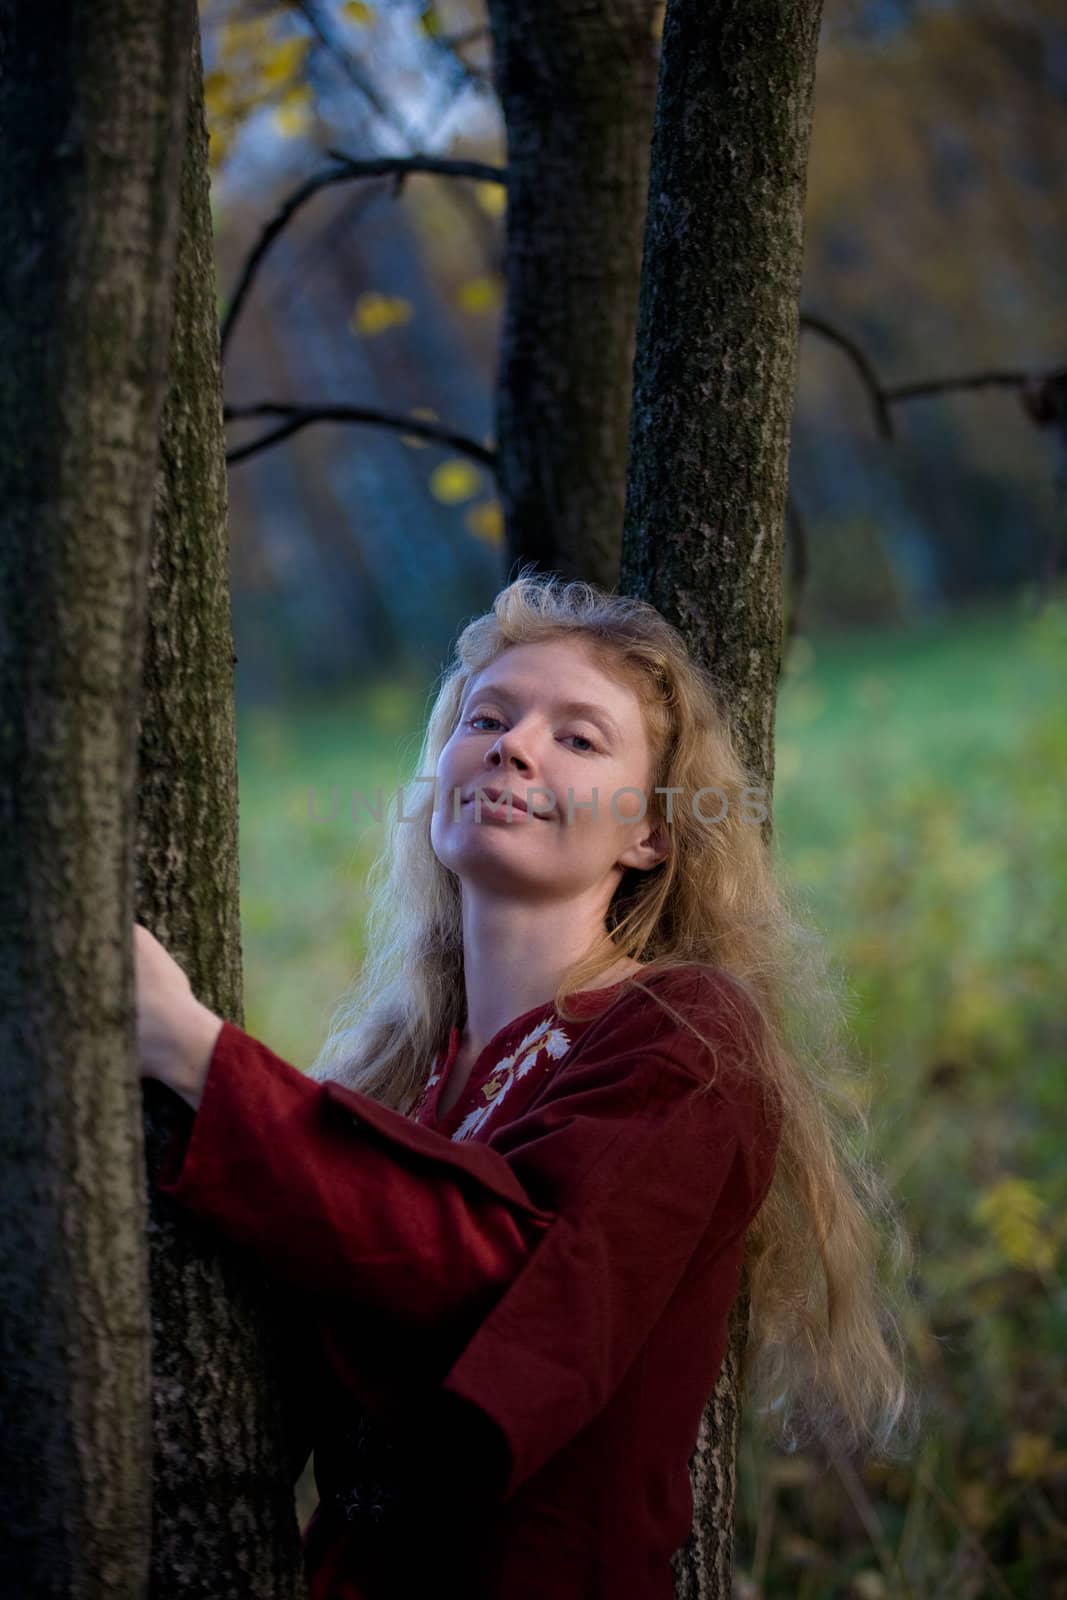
(921, 746)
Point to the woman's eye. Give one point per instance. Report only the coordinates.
(486, 716)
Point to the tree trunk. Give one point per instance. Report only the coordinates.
(715, 371)
(577, 86)
(92, 102)
(224, 1521)
(713, 396)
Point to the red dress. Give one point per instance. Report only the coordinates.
(511, 1318)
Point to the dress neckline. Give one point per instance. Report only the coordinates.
(489, 1051)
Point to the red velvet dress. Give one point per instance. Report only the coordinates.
(508, 1320)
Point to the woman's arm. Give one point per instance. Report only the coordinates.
(344, 1199)
(175, 1033)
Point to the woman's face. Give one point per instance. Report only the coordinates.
(520, 732)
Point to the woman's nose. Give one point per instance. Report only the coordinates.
(509, 748)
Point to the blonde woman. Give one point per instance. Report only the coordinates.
(589, 1073)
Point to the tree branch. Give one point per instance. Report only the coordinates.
(351, 67)
(970, 380)
(1043, 396)
(297, 417)
(402, 167)
(861, 361)
(1038, 389)
(346, 170)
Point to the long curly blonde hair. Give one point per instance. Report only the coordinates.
(827, 1254)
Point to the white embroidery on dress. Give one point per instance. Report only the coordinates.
(543, 1038)
(423, 1095)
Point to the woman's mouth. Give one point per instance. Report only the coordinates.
(502, 804)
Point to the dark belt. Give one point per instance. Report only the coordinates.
(368, 1469)
(430, 1470)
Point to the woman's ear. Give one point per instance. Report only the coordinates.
(659, 841)
(652, 848)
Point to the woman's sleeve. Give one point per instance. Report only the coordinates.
(342, 1198)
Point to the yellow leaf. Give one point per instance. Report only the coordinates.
(479, 294)
(293, 120)
(492, 197)
(1029, 1456)
(284, 60)
(975, 1010)
(427, 415)
(298, 94)
(219, 146)
(430, 22)
(374, 313)
(1014, 1213)
(362, 15)
(486, 521)
(243, 34)
(217, 93)
(454, 480)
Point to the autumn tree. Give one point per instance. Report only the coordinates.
(93, 102)
(135, 1352)
(223, 1513)
(577, 89)
(713, 397)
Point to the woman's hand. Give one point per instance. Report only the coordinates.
(176, 1035)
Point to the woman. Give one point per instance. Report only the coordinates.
(574, 1093)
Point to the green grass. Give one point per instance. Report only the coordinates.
(305, 849)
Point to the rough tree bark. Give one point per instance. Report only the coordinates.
(92, 113)
(577, 86)
(224, 1521)
(714, 382)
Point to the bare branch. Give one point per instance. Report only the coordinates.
(1035, 387)
(401, 168)
(862, 363)
(345, 170)
(970, 380)
(297, 417)
(351, 67)
(1043, 396)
